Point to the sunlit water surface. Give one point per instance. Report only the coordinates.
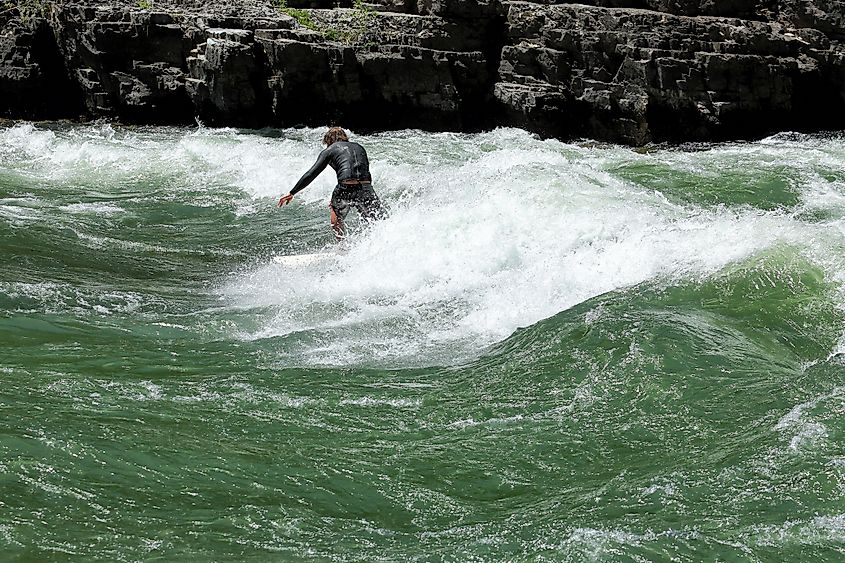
(548, 351)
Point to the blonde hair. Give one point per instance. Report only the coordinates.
(334, 135)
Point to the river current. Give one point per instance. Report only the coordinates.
(547, 351)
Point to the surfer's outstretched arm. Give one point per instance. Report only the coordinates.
(308, 177)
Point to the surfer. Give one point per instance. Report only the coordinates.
(354, 183)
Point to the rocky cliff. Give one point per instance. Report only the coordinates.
(632, 71)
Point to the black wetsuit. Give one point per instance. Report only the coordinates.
(354, 183)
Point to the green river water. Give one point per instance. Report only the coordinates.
(548, 351)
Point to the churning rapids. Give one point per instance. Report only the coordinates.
(546, 351)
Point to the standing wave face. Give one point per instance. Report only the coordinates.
(547, 351)
(487, 233)
(493, 232)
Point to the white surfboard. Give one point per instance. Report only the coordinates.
(297, 260)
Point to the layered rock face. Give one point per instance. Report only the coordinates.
(34, 83)
(637, 75)
(632, 71)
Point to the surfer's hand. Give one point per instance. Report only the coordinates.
(286, 199)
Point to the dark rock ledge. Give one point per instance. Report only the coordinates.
(630, 71)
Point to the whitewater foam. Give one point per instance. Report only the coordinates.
(516, 231)
(804, 431)
(487, 232)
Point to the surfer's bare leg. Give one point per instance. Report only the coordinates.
(337, 225)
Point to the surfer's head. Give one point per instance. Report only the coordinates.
(334, 135)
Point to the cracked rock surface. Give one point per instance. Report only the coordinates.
(630, 71)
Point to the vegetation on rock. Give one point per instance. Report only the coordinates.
(351, 27)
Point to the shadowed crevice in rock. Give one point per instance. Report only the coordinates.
(34, 79)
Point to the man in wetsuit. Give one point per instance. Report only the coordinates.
(354, 183)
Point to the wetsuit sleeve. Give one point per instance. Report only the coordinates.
(313, 172)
